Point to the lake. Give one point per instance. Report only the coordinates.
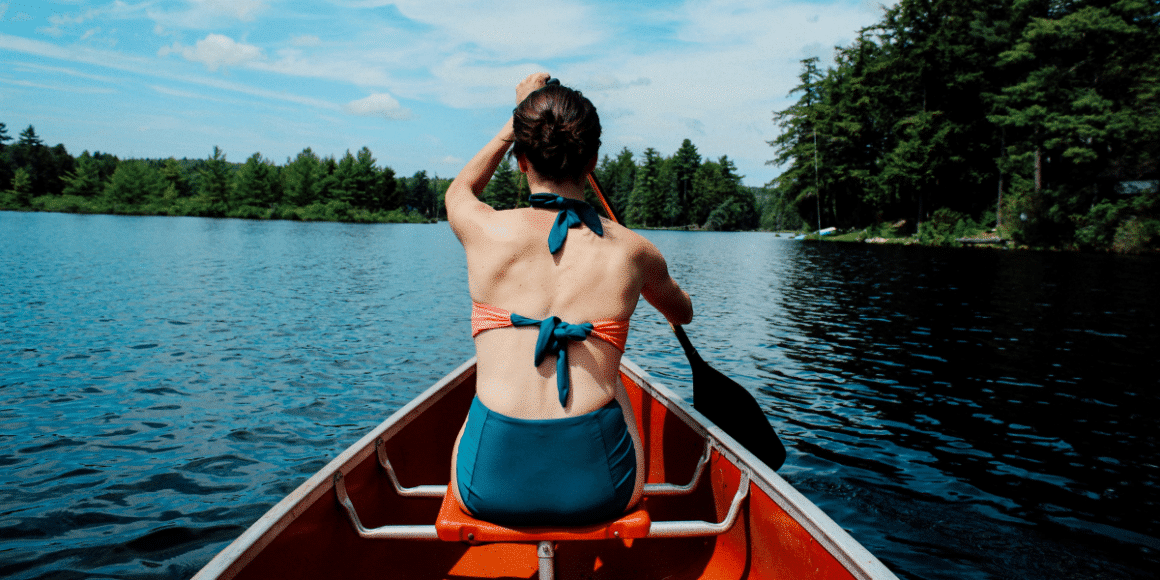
(963, 413)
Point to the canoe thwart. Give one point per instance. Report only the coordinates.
(674, 489)
(692, 528)
(384, 532)
(416, 491)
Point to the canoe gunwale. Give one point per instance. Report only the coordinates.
(841, 545)
(226, 564)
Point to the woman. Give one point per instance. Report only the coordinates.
(551, 438)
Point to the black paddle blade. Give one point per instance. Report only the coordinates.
(732, 408)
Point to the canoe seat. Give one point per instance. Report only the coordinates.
(455, 525)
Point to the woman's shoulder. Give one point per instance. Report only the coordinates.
(635, 245)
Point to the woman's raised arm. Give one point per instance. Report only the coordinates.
(462, 198)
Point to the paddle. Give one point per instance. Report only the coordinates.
(721, 399)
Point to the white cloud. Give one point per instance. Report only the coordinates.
(244, 10)
(203, 14)
(59, 87)
(379, 105)
(27, 66)
(509, 29)
(306, 40)
(215, 51)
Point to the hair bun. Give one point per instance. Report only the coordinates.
(558, 131)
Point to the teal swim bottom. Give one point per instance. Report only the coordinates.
(551, 472)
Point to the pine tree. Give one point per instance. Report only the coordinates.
(617, 177)
(1079, 114)
(85, 180)
(134, 183)
(684, 166)
(503, 191)
(257, 183)
(301, 178)
(214, 183)
(647, 198)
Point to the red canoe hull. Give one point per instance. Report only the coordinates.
(778, 535)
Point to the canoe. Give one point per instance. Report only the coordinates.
(712, 510)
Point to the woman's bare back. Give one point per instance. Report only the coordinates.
(590, 278)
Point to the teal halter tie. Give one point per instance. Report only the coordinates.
(572, 213)
(554, 334)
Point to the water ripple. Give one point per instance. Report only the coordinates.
(163, 381)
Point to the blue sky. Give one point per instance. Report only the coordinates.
(422, 83)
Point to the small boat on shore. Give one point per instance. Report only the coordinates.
(711, 510)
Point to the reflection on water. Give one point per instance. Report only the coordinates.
(963, 413)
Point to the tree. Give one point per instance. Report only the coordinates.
(1081, 114)
(134, 183)
(684, 166)
(175, 178)
(796, 146)
(301, 178)
(214, 183)
(29, 138)
(421, 195)
(716, 186)
(21, 192)
(5, 167)
(391, 197)
(646, 201)
(85, 180)
(617, 177)
(257, 182)
(362, 184)
(503, 191)
(329, 184)
(40, 162)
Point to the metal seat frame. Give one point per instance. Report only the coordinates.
(621, 528)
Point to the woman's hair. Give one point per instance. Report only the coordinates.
(558, 131)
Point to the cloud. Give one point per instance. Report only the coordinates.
(59, 88)
(244, 10)
(509, 29)
(215, 51)
(203, 14)
(27, 66)
(379, 105)
(306, 40)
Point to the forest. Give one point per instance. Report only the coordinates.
(1037, 120)
(1037, 116)
(353, 188)
(307, 187)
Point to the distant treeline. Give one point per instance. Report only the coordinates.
(1043, 115)
(307, 187)
(678, 191)
(682, 191)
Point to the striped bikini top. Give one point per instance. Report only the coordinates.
(554, 336)
(486, 317)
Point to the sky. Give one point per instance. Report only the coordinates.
(422, 83)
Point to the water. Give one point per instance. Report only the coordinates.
(962, 413)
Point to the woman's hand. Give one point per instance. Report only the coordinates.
(532, 83)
